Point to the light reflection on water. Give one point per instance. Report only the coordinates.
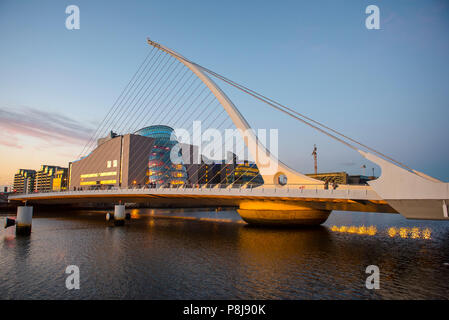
(191, 254)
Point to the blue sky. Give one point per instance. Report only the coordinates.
(387, 88)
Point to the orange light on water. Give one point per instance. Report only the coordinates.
(392, 232)
(426, 234)
(372, 230)
(362, 230)
(414, 233)
(403, 232)
(352, 229)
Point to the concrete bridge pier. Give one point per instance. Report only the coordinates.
(24, 220)
(279, 213)
(119, 215)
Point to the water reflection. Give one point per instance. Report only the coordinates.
(412, 233)
(173, 254)
(371, 230)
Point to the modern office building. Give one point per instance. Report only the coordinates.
(161, 170)
(224, 173)
(24, 181)
(360, 179)
(207, 172)
(117, 161)
(247, 173)
(341, 178)
(46, 177)
(331, 177)
(60, 180)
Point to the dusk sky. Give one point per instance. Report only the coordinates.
(388, 88)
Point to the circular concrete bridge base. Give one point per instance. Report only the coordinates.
(273, 213)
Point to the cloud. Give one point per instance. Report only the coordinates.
(52, 128)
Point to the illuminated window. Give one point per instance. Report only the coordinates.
(115, 164)
(108, 182)
(109, 164)
(111, 173)
(88, 183)
(102, 174)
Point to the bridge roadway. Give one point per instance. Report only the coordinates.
(272, 201)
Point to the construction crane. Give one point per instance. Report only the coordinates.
(314, 154)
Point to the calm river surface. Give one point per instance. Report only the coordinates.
(194, 254)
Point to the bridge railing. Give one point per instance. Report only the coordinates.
(293, 187)
(219, 186)
(310, 190)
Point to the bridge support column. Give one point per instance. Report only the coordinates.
(279, 213)
(24, 220)
(119, 215)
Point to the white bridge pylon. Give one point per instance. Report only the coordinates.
(271, 168)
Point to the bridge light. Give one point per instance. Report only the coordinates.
(403, 232)
(426, 233)
(392, 232)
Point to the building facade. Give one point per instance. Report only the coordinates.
(60, 180)
(24, 181)
(51, 178)
(342, 178)
(161, 170)
(224, 173)
(247, 173)
(331, 177)
(118, 161)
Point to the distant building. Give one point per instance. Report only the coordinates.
(46, 177)
(247, 174)
(60, 180)
(191, 160)
(118, 161)
(210, 172)
(331, 177)
(341, 178)
(360, 179)
(24, 181)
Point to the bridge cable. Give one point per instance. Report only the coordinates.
(288, 111)
(114, 104)
(136, 90)
(123, 109)
(127, 111)
(278, 106)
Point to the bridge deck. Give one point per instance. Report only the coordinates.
(362, 199)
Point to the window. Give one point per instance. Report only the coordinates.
(115, 164)
(109, 164)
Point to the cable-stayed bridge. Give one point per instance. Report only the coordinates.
(170, 89)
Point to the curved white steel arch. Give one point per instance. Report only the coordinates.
(269, 166)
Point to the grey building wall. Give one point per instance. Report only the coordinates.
(136, 152)
(117, 162)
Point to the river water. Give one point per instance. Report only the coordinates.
(199, 254)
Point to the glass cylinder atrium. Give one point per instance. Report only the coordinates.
(161, 170)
